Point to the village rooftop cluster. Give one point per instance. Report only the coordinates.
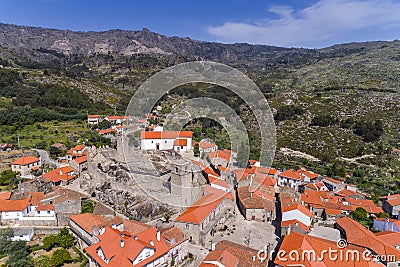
(239, 212)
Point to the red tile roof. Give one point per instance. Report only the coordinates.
(391, 238)
(333, 180)
(333, 211)
(45, 207)
(393, 200)
(87, 221)
(358, 235)
(5, 195)
(303, 244)
(166, 135)
(25, 160)
(59, 174)
(348, 193)
(14, 205)
(229, 252)
(223, 257)
(310, 174)
(291, 174)
(180, 142)
(202, 208)
(107, 131)
(93, 116)
(36, 198)
(219, 154)
(289, 223)
(173, 235)
(135, 227)
(81, 160)
(256, 199)
(205, 145)
(298, 207)
(110, 244)
(212, 190)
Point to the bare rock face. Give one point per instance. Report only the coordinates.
(62, 46)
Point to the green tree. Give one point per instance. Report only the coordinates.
(7, 177)
(64, 238)
(42, 261)
(54, 151)
(5, 235)
(49, 242)
(60, 256)
(196, 150)
(87, 207)
(104, 124)
(361, 215)
(18, 255)
(383, 215)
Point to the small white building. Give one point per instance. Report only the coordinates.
(22, 234)
(93, 119)
(297, 212)
(13, 210)
(291, 178)
(25, 165)
(177, 140)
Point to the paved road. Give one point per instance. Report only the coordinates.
(46, 157)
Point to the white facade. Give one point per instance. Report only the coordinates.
(144, 254)
(296, 215)
(163, 144)
(25, 169)
(14, 215)
(23, 236)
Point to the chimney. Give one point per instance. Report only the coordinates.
(288, 230)
(60, 171)
(158, 235)
(135, 237)
(151, 243)
(122, 243)
(113, 226)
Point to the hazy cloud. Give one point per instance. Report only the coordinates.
(323, 23)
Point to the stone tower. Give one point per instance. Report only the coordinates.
(185, 181)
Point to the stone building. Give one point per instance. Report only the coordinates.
(201, 220)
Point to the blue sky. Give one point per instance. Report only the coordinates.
(307, 23)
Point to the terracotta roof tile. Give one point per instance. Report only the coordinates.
(14, 205)
(59, 174)
(173, 235)
(45, 207)
(298, 207)
(302, 243)
(166, 135)
(180, 142)
(25, 160)
(201, 208)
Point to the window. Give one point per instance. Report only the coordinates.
(147, 254)
(187, 226)
(38, 211)
(48, 212)
(165, 141)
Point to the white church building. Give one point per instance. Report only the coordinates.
(177, 140)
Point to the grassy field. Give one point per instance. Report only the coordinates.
(49, 132)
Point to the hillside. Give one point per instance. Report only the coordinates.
(335, 104)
